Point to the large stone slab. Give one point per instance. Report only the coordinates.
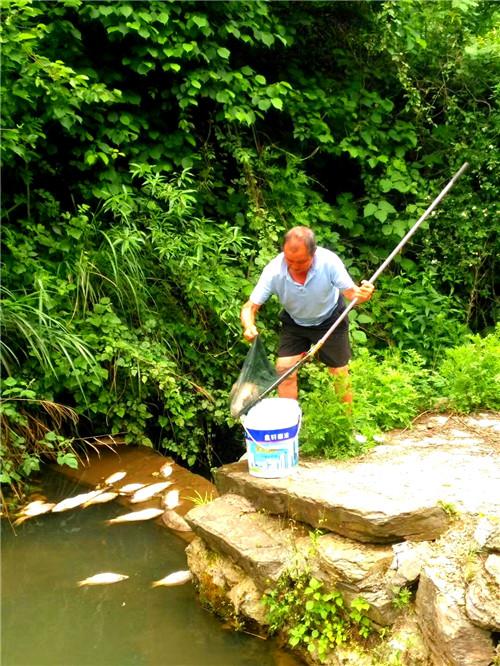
(391, 494)
(260, 544)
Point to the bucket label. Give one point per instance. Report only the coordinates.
(274, 435)
(272, 461)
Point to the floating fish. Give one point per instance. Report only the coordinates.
(145, 514)
(131, 487)
(103, 579)
(166, 470)
(35, 508)
(101, 497)
(176, 578)
(73, 502)
(171, 499)
(175, 522)
(114, 478)
(149, 491)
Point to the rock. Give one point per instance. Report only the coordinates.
(358, 570)
(354, 500)
(409, 558)
(351, 562)
(452, 639)
(224, 586)
(487, 534)
(261, 545)
(482, 599)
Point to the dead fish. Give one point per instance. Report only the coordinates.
(242, 396)
(176, 578)
(103, 579)
(145, 514)
(101, 497)
(73, 502)
(114, 478)
(175, 522)
(149, 491)
(131, 487)
(171, 499)
(35, 508)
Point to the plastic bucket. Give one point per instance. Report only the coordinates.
(272, 437)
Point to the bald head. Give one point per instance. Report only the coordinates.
(301, 235)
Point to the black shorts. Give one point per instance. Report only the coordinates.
(295, 339)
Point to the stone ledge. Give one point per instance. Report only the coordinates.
(260, 544)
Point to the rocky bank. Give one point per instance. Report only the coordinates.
(412, 527)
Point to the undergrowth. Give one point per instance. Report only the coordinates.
(391, 390)
(312, 617)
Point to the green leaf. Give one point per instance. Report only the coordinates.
(277, 103)
(369, 209)
(223, 52)
(200, 21)
(381, 214)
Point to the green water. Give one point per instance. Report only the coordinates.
(48, 621)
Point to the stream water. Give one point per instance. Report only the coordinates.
(47, 620)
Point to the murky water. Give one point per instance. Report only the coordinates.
(48, 621)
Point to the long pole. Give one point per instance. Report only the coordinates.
(344, 314)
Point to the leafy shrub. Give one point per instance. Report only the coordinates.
(389, 389)
(388, 393)
(471, 373)
(409, 312)
(312, 617)
(29, 432)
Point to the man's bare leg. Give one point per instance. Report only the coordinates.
(342, 383)
(289, 387)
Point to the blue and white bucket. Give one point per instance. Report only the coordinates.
(272, 437)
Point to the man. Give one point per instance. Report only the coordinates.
(310, 283)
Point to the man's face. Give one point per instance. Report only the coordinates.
(297, 257)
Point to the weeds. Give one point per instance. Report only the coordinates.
(391, 390)
(312, 617)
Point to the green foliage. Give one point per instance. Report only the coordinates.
(146, 185)
(471, 374)
(389, 392)
(29, 432)
(412, 314)
(402, 597)
(313, 618)
(391, 389)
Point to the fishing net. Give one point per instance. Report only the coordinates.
(256, 375)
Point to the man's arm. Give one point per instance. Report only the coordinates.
(362, 294)
(247, 316)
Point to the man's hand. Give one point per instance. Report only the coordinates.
(361, 294)
(250, 333)
(248, 314)
(365, 291)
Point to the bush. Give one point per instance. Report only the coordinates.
(389, 392)
(471, 374)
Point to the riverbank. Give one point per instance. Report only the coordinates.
(412, 527)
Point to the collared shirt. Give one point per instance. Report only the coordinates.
(308, 304)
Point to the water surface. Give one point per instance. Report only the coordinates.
(48, 621)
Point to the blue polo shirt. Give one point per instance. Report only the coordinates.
(307, 304)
